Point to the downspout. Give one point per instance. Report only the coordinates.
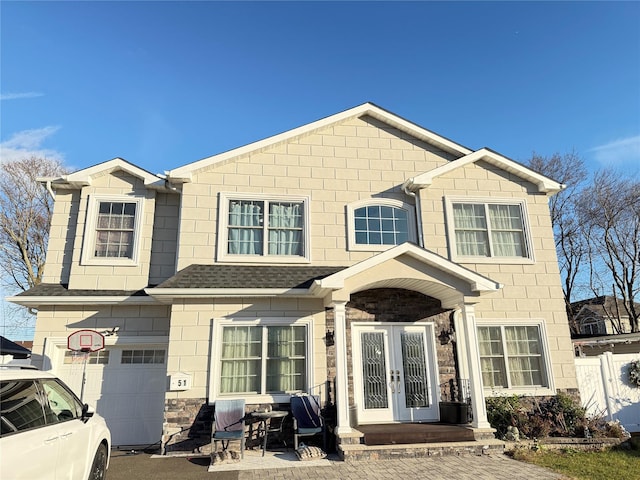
(405, 189)
(50, 190)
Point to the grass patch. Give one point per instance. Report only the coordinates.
(611, 464)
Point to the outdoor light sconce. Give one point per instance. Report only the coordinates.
(447, 336)
(329, 339)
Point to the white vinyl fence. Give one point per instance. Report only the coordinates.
(605, 389)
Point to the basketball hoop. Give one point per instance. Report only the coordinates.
(85, 341)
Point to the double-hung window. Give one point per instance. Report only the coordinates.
(263, 359)
(488, 230)
(113, 230)
(378, 224)
(257, 228)
(512, 356)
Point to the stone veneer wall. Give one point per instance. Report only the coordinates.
(396, 305)
(188, 423)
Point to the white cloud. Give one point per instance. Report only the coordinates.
(625, 151)
(28, 143)
(16, 96)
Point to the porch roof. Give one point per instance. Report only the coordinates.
(410, 267)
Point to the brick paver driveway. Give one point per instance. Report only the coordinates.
(465, 467)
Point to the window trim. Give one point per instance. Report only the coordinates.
(547, 370)
(91, 222)
(223, 229)
(412, 235)
(593, 321)
(216, 353)
(451, 231)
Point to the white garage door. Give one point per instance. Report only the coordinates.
(126, 385)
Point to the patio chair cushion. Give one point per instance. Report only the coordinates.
(306, 452)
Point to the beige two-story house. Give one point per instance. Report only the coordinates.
(360, 257)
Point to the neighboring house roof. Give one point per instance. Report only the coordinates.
(183, 174)
(543, 183)
(624, 338)
(85, 176)
(28, 344)
(604, 305)
(7, 347)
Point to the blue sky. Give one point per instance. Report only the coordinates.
(163, 84)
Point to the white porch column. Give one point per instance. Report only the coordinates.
(342, 382)
(470, 333)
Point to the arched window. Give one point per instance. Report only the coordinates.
(378, 224)
(593, 326)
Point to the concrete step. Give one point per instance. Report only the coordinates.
(357, 452)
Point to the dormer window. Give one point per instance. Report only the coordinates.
(263, 229)
(378, 224)
(113, 231)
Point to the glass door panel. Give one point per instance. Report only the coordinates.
(374, 368)
(416, 386)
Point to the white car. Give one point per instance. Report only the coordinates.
(46, 432)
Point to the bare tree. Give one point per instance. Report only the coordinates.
(571, 248)
(25, 216)
(609, 212)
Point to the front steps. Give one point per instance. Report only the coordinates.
(383, 442)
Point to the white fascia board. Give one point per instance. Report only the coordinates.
(544, 184)
(168, 293)
(476, 281)
(84, 177)
(183, 174)
(80, 300)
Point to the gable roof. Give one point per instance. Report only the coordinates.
(433, 275)
(544, 184)
(85, 176)
(603, 306)
(183, 174)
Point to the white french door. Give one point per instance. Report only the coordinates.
(395, 373)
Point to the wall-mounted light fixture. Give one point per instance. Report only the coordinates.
(447, 336)
(329, 338)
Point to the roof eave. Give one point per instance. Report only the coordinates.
(40, 301)
(168, 294)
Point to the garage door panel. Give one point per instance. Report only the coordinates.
(130, 396)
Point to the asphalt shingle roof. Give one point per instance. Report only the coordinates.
(247, 276)
(58, 290)
(207, 276)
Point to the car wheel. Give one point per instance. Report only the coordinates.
(99, 466)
